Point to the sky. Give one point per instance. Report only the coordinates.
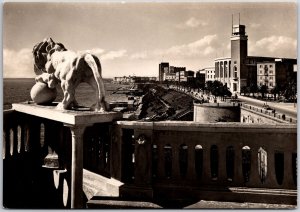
(133, 38)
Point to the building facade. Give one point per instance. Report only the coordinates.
(224, 74)
(276, 72)
(241, 70)
(209, 74)
(163, 68)
(133, 79)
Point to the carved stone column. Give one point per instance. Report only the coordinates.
(77, 165)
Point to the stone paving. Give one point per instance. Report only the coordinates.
(231, 205)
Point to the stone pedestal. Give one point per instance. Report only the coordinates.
(77, 121)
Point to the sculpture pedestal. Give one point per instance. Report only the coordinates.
(77, 121)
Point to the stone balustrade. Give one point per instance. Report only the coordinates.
(153, 160)
(269, 114)
(31, 132)
(177, 160)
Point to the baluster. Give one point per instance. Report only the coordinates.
(271, 180)
(19, 138)
(26, 137)
(6, 143)
(23, 138)
(175, 163)
(3, 144)
(222, 163)
(77, 166)
(11, 141)
(206, 173)
(191, 171)
(254, 180)
(238, 170)
(143, 159)
(161, 161)
(115, 153)
(288, 181)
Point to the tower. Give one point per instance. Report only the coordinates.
(239, 52)
(163, 68)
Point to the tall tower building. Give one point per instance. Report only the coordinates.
(239, 52)
(163, 68)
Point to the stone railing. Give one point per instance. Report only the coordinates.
(279, 117)
(31, 133)
(232, 161)
(153, 160)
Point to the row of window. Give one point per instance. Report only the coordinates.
(270, 78)
(271, 84)
(270, 66)
(269, 72)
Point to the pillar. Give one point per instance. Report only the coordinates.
(238, 166)
(254, 180)
(288, 181)
(77, 165)
(271, 181)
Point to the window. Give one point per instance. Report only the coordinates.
(271, 78)
(261, 78)
(271, 72)
(261, 66)
(271, 66)
(271, 84)
(234, 62)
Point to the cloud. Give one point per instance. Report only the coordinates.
(113, 54)
(18, 63)
(275, 46)
(204, 47)
(104, 54)
(139, 55)
(255, 25)
(192, 23)
(96, 51)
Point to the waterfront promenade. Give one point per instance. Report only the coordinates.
(289, 109)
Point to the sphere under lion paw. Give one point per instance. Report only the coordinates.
(41, 94)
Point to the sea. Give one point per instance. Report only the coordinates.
(16, 90)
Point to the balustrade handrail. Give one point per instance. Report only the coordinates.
(272, 114)
(180, 154)
(175, 154)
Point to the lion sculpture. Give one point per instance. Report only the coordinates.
(59, 65)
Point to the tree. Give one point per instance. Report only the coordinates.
(263, 89)
(208, 86)
(244, 90)
(217, 89)
(253, 88)
(290, 91)
(275, 91)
